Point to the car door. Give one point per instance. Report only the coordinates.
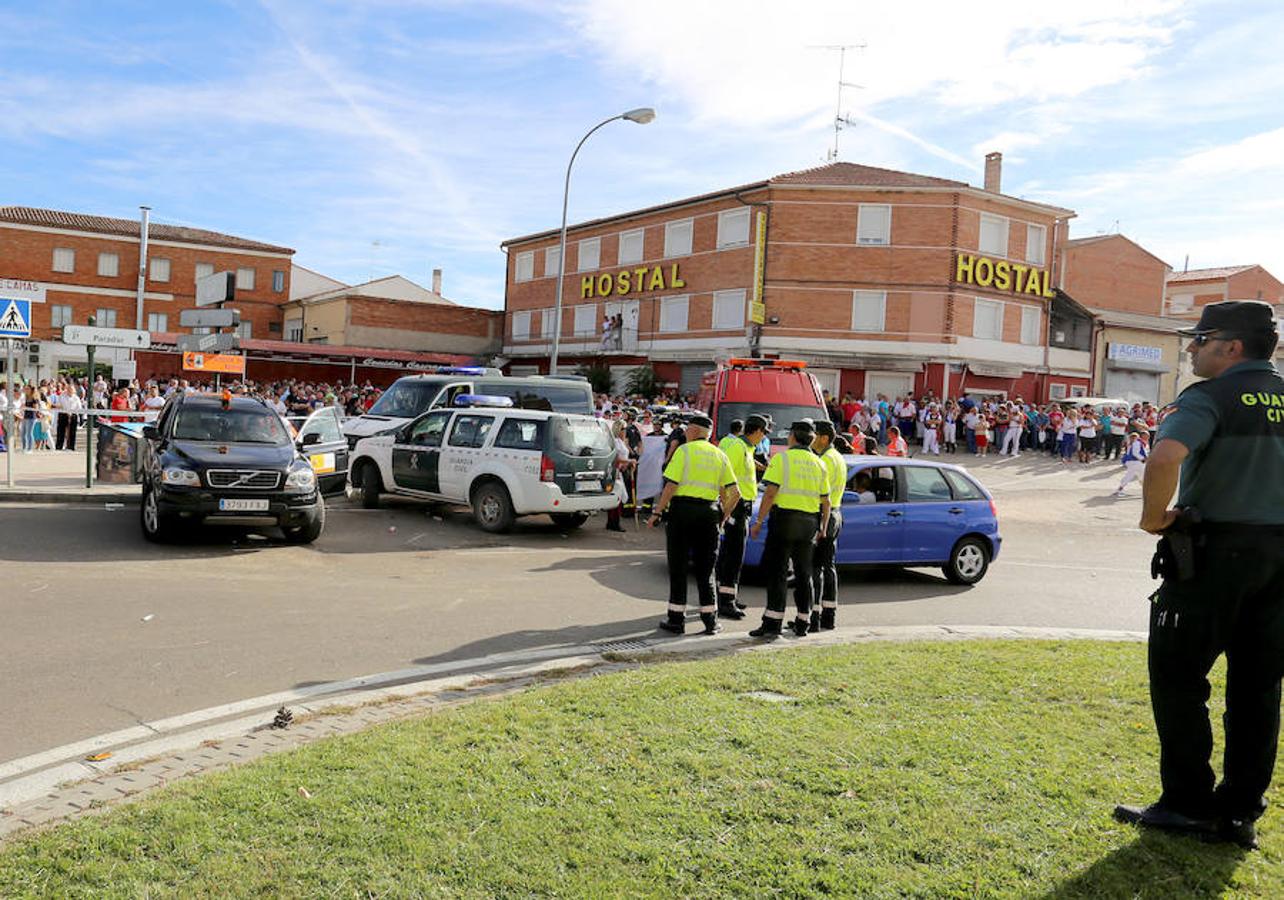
(934, 520)
(872, 532)
(416, 452)
(462, 453)
(328, 450)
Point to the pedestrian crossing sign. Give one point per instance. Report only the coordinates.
(15, 320)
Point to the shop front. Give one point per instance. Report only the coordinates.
(1134, 372)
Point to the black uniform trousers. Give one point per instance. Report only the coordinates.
(1234, 605)
(824, 579)
(66, 436)
(791, 536)
(731, 558)
(692, 535)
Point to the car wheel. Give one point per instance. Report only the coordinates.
(492, 508)
(155, 525)
(371, 485)
(569, 520)
(306, 534)
(968, 561)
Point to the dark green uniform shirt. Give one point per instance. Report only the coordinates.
(1233, 426)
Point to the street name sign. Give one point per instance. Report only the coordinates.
(15, 318)
(217, 288)
(86, 335)
(209, 318)
(208, 343)
(22, 289)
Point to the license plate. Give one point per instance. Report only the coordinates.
(594, 485)
(235, 505)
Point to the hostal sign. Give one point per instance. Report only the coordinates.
(641, 280)
(1002, 275)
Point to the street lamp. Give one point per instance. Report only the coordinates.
(642, 115)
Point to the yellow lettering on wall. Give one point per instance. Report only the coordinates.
(674, 280)
(1003, 276)
(1032, 284)
(1019, 282)
(964, 269)
(604, 284)
(639, 280)
(984, 271)
(657, 280)
(586, 286)
(622, 282)
(1048, 291)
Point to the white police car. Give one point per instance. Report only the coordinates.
(501, 461)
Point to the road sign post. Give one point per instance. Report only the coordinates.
(9, 447)
(89, 420)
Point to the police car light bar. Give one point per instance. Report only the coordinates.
(461, 370)
(744, 363)
(482, 400)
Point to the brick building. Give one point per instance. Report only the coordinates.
(883, 281)
(1188, 291)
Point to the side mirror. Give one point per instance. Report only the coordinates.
(312, 437)
(150, 432)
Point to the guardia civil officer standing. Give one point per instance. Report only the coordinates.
(1223, 576)
(700, 493)
(797, 500)
(740, 451)
(824, 580)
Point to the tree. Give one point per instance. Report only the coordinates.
(643, 381)
(598, 374)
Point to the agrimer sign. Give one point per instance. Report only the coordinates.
(1002, 275)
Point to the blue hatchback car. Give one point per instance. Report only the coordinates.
(912, 512)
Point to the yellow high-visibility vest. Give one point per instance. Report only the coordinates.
(836, 469)
(800, 478)
(741, 456)
(700, 470)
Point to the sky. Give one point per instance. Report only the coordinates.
(381, 137)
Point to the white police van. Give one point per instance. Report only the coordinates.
(502, 461)
(414, 395)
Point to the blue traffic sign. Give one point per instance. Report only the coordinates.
(15, 318)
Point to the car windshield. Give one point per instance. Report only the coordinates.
(582, 437)
(230, 426)
(782, 416)
(566, 398)
(406, 399)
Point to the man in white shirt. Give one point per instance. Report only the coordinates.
(70, 405)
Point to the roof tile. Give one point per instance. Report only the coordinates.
(1208, 274)
(53, 218)
(844, 174)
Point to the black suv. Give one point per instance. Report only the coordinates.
(223, 460)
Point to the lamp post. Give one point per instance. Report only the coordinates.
(642, 116)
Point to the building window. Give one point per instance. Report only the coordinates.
(278, 280)
(869, 311)
(59, 316)
(1031, 319)
(677, 238)
(1181, 303)
(987, 320)
(1078, 390)
(631, 246)
(204, 270)
(158, 322)
(874, 224)
(159, 268)
(1036, 240)
(245, 279)
(585, 319)
(546, 323)
(728, 309)
(733, 228)
(245, 330)
(525, 270)
(109, 265)
(552, 261)
(1056, 391)
(590, 255)
(994, 235)
(105, 318)
(673, 314)
(521, 326)
(64, 259)
(294, 330)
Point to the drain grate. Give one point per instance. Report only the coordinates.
(620, 646)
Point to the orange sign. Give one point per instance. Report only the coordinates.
(214, 362)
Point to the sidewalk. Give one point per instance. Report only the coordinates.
(57, 476)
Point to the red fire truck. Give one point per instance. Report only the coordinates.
(779, 388)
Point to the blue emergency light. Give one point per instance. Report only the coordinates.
(462, 370)
(482, 400)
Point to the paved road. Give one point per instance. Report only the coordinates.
(99, 630)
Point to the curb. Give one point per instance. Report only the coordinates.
(19, 495)
(62, 784)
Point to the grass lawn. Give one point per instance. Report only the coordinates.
(929, 770)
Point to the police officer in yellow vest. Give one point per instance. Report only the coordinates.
(700, 493)
(824, 582)
(797, 501)
(731, 558)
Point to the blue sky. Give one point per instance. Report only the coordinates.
(395, 136)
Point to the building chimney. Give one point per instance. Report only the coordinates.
(436, 281)
(993, 171)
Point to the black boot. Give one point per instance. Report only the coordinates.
(710, 621)
(814, 625)
(827, 616)
(740, 606)
(769, 630)
(800, 627)
(676, 623)
(727, 610)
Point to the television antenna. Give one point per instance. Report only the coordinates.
(839, 119)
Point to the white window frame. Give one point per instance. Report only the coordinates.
(1036, 244)
(546, 323)
(674, 313)
(869, 230)
(589, 255)
(203, 270)
(522, 325)
(60, 314)
(870, 300)
(1078, 390)
(979, 304)
(731, 224)
(1031, 325)
(1181, 302)
(674, 242)
(1056, 391)
(627, 237)
(524, 267)
(728, 310)
(294, 330)
(552, 261)
(104, 317)
(585, 320)
(278, 280)
(244, 279)
(109, 265)
(246, 330)
(998, 221)
(158, 268)
(64, 259)
(158, 322)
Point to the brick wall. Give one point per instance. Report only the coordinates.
(1115, 273)
(1255, 284)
